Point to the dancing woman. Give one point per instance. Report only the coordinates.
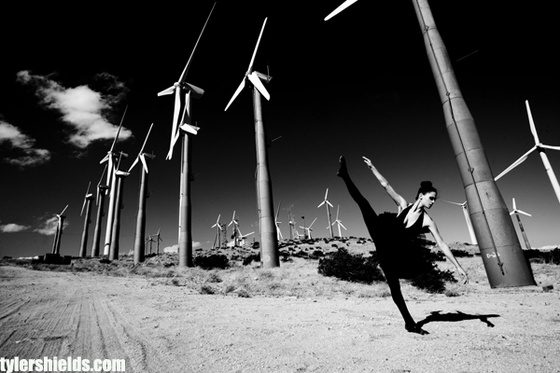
(396, 237)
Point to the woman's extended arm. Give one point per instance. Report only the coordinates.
(399, 200)
(444, 247)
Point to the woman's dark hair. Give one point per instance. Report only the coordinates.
(426, 187)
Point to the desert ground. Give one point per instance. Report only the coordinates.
(287, 319)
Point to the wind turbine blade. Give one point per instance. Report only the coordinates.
(186, 69)
(312, 222)
(552, 147)
(326, 194)
(119, 129)
(62, 212)
(237, 91)
(514, 206)
(532, 123)
(83, 206)
(167, 91)
(516, 163)
(250, 69)
(146, 139)
(198, 91)
(144, 163)
(321, 204)
(339, 223)
(340, 8)
(523, 212)
(186, 117)
(176, 110)
(330, 204)
(258, 85)
(133, 164)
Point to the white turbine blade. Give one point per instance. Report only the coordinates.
(330, 204)
(175, 124)
(339, 223)
(258, 85)
(523, 212)
(62, 212)
(119, 129)
(326, 194)
(515, 164)
(146, 139)
(532, 123)
(250, 69)
(321, 204)
(340, 8)
(552, 147)
(312, 223)
(133, 164)
(337, 210)
(198, 91)
(237, 91)
(186, 117)
(514, 207)
(144, 163)
(167, 91)
(83, 206)
(186, 69)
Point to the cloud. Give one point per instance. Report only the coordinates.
(82, 108)
(22, 148)
(13, 228)
(175, 248)
(48, 227)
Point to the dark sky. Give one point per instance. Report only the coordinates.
(359, 84)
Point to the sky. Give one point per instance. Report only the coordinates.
(358, 84)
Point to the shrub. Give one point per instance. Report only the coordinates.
(212, 261)
(349, 267)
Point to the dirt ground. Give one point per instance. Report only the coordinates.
(159, 328)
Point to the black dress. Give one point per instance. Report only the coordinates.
(400, 251)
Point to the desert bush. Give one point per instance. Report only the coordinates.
(212, 261)
(345, 266)
(548, 257)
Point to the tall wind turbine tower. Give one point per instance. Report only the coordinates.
(499, 245)
(184, 127)
(144, 158)
(59, 229)
(541, 148)
(516, 212)
(116, 231)
(327, 204)
(101, 190)
(112, 187)
(269, 244)
(87, 205)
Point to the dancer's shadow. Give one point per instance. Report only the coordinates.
(455, 317)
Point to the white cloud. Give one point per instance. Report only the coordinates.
(22, 151)
(48, 227)
(81, 107)
(175, 248)
(13, 228)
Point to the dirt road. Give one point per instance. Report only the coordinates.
(159, 328)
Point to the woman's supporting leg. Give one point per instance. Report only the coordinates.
(395, 287)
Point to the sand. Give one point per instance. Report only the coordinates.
(161, 328)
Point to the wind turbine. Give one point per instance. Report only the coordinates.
(150, 240)
(116, 230)
(183, 128)
(144, 158)
(235, 227)
(277, 223)
(158, 240)
(265, 206)
(58, 234)
(101, 190)
(338, 222)
(327, 204)
(242, 237)
(465, 209)
(112, 187)
(517, 212)
(87, 205)
(308, 230)
(499, 244)
(217, 240)
(541, 148)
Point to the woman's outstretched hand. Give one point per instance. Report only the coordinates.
(367, 161)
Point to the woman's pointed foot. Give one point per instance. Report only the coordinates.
(342, 170)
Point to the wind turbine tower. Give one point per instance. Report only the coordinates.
(516, 212)
(139, 244)
(101, 190)
(327, 204)
(184, 127)
(87, 205)
(541, 148)
(116, 230)
(269, 244)
(158, 240)
(499, 245)
(59, 229)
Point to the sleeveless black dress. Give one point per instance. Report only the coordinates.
(400, 251)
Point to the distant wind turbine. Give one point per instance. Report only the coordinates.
(517, 212)
(87, 205)
(101, 189)
(144, 158)
(277, 223)
(242, 237)
(58, 234)
(327, 204)
(338, 222)
(158, 240)
(265, 205)
(307, 230)
(234, 230)
(217, 239)
(150, 240)
(539, 147)
(465, 209)
(112, 187)
(184, 127)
